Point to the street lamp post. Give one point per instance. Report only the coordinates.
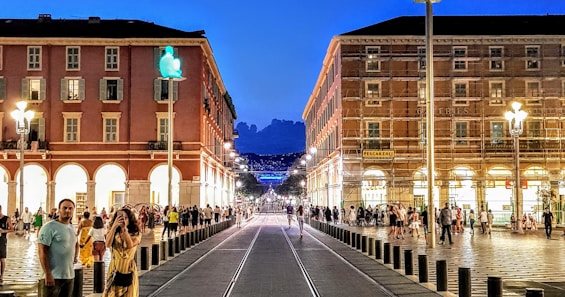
(515, 120)
(23, 118)
(430, 155)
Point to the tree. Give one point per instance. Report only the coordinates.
(292, 186)
(249, 186)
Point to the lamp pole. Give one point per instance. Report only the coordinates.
(515, 120)
(23, 119)
(430, 156)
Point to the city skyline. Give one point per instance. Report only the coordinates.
(270, 54)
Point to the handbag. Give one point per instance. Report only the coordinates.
(123, 279)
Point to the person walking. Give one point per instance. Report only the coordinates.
(472, 221)
(58, 251)
(123, 239)
(173, 222)
(208, 215)
(446, 219)
(84, 240)
(98, 235)
(38, 220)
(490, 220)
(217, 212)
(547, 217)
(335, 213)
(300, 219)
(27, 219)
(289, 213)
(328, 214)
(238, 215)
(483, 218)
(165, 222)
(424, 216)
(5, 227)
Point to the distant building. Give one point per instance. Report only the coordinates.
(366, 115)
(100, 135)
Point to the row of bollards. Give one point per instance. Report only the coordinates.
(382, 251)
(159, 252)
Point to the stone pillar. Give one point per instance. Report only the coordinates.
(91, 195)
(139, 192)
(50, 196)
(554, 190)
(186, 191)
(12, 205)
(443, 193)
(479, 196)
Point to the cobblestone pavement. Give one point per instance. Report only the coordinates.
(528, 258)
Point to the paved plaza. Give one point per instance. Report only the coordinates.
(521, 260)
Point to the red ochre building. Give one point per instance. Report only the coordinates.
(99, 135)
(367, 114)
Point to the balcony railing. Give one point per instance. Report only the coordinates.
(526, 146)
(162, 145)
(14, 145)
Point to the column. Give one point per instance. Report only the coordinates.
(187, 190)
(12, 205)
(443, 193)
(479, 196)
(50, 196)
(91, 195)
(554, 190)
(139, 192)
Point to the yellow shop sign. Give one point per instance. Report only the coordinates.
(377, 154)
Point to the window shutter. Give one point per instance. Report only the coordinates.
(81, 89)
(103, 89)
(25, 89)
(175, 52)
(156, 57)
(41, 132)
(120, 90)
(2, 88)
(42, 89)
(64, 90)
(157, 89)
(175, 90)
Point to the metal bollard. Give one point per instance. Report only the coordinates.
(423, 268)
(192, 238)
(378, 249)
(163, 250)
(353, 240)
(464, 282)
(396, 256)
(347, 237)
(364, 243)
(187, 239)
(441, 272)
(78, 282)
(98, 277)
(358, 241)
(155, 254)
(144, 261)
(408, 263)
(386, 258)
(182, 242)
(371, 246)
(177, 245)
(171, 244)
(494, 286)
(534, 292)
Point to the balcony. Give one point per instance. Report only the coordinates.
(154, 145)
(525, 146)
(14, 145)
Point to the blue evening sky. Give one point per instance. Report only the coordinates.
(269, 52)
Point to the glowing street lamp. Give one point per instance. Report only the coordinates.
(516, 120)
(23, 119)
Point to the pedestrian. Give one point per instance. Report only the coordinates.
(472, 220)
(217, 212)
(165, 222)
(289, 213)
(208, 212)
(335, 213)
(58, 251)
(513, 222)
(238, 215)
(300, 218)
(173, 222)
(352, 215)
(400, 219)
(142, 219)
(424, 216)
(84, 240)
(98, 235)
(446, 219)
(490, 219)
(27, 218)
(38, 220)
(150, 218)
(194, 215)
(328, 214)
(184, 218)
(123, 238)
(415, 225)
(392, 220)
(483, 218)
(547, 217)
(5, 227)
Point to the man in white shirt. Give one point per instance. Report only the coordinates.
(27, 218)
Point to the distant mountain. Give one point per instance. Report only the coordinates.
(280, 137)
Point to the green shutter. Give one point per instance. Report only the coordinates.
(81, 88)
(103, 89)
(41, 132)
(2, 89)
(175, 90)
(25, 89)
(64, 91)
(156, 57)
(42, 89)
(120, 94)
(157, 89)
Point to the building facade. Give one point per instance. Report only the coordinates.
(99, 135)
(367, 114)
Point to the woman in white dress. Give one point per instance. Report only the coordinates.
(238, 215)
(415, 225)
(352, 216)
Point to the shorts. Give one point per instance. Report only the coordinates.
(26, 226)
(289, 216)
(173, 226)
(99, 248)
(425, 228)
(3, 246)
(399, 223)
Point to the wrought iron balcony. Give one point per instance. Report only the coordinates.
(154, 145)
(33, 145)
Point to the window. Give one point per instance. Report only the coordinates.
(422, 58)
(533, 92)
(158, 53)
(72, 126)
(2, 88)
(496, 132)
(460, 133)
(373, 94)
(496, 92)
(460, 91)
(33, 89)
(111, 124)
(421, 93)
(111, 89)
(33, 58)
(373, 133)
(72, 89)
(532, 58)
(459, 61)
(496, 54)
(161, 90)
(112, 61)
(73, 58)
(422, 132)
(372, 63)
(163, 129)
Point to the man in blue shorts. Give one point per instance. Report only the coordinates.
(289, 214)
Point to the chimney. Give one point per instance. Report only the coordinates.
(94, 20)
(44, 18)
